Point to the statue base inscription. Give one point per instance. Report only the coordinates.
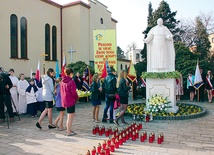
(165, 87)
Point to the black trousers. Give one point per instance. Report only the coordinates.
(201, 93)
(143, 89)
(5, 100)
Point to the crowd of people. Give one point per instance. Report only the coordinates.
(29, 97)
(206, 85)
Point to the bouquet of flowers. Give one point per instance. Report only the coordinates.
(157, 104)
(83, 93)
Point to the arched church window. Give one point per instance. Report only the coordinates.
(54, 43)
(23, 30)
(13, 36)
(47, 41)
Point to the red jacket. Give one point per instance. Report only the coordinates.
(68, 92)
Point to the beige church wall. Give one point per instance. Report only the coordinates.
(37, 13)
(71, 32)
(98, 11)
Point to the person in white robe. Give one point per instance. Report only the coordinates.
(13, 90)
(22, 86)
(160, 49)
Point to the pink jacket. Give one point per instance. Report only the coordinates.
(68, 92)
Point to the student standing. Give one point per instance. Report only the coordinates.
(95, 97)
(47, 95)
(69, 98)
(123, 90)
(22, 86)
(190, 85)
(209, 85)
(31, 93)
(59, 105)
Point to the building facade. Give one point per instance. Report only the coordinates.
(33, 30)
(134, 55)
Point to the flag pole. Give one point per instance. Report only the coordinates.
(198, 94)
(132, 90)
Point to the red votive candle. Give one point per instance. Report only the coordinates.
(112, 147)
(133, 136)
(150, 138)
(88, 152)
(147, 118)
(116, 144)
(153, 135)
(104, 144)
(99, 148)
(107, 150)
(93, 151)
(97, 129)
(110, 131)
(162, 137)
(145, 135)
(107, 133)
(102, 152)
(120, 141)
(127, 135)
(100, 132)
(103, 129)
(137, 134)
(142, 138)
(140, 126)
(94, 130)
(124, 138)
(109, 142)
(113, 139)
(159, 139)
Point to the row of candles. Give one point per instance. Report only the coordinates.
(102, 130)
(120, 137)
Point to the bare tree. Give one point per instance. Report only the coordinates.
(131, 46)
(208, 21)
(188, 28)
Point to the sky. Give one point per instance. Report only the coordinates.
(132, 15)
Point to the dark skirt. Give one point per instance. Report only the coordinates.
(124, 99)
(96, 102)
(40, 106)
(191, 89)
(32, 109)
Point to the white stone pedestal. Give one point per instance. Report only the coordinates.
(165, 87)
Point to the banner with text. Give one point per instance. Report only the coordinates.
(104, 49)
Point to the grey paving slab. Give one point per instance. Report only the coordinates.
(186, 137)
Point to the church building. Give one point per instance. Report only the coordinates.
(33, 30)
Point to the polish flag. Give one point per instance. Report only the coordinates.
(38, 71)
(63, 66)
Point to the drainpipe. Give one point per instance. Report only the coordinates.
(61, 55)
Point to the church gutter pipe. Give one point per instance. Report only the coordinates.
(61, 55)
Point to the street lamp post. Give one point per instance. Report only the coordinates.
(71, 51)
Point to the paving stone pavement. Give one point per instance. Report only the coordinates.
(182, 137)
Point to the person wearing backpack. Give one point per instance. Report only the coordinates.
(110, 91)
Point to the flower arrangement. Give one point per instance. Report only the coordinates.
(157, 104)
(184, 109)
(81, 93)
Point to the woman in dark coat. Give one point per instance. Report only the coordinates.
(95, 97)
(123, 90)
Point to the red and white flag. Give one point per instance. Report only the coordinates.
(63, 66)
(38, 71)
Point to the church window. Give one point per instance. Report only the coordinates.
(23, 38)
(13, 36)
(47, 41)
(54, 43)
